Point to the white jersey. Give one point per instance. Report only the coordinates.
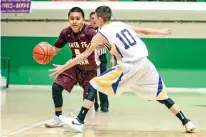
(126, 45)
(134, 71)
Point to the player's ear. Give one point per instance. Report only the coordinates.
(101, 19)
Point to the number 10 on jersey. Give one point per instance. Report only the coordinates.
(126, 38)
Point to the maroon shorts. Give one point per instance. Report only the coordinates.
(73, 75)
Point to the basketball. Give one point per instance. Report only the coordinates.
(43, 53)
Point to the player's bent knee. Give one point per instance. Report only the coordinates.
(57, 95)
(167, 102)
(91, 93)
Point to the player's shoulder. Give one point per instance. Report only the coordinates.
(119, 23)
(88, 27)
(89, 31)
(66, 30)
(112, 25)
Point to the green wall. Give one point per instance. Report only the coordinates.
(181, 62)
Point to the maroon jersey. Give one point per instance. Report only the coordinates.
(78, 43)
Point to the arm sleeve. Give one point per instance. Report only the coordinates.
(61, 40)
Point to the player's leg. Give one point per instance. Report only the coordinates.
(161, 97)
(149, 84)
(106, 83)
(87, 104)
(58, 102)
(85, 77)
(78, 123)
(96, 105)
(104, 102)
(64, 81)
(170, 104)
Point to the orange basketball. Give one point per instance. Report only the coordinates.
(43, 53)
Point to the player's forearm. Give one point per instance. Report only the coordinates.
(74, 62)
(56, 50)
(149, 31)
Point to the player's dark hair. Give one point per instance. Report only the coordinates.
(92, 13)
(104, 12)
(76, 9)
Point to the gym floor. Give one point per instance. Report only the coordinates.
(24, 110)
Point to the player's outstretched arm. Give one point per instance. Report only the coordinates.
(149, 31)
(61, 68)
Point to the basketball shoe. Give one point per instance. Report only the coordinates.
(72, 122)
(54, 122)
(189, 127)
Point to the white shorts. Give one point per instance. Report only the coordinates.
(140, 77)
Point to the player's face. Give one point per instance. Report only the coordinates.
(92, 21)
(76, 21)
(99, 21)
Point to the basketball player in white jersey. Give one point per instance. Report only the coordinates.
(104, 102)
(134, 72)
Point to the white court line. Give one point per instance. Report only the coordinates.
(26, 128)
(34, 125)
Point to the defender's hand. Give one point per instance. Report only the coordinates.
(166, 31)
(56, 71)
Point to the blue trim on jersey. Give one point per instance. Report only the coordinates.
(119, 51)
(115, 59)
(160, 86)
(115, 85)
(107, 71)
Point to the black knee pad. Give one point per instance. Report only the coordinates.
(167, 102)
(57, 95)
(91, 94)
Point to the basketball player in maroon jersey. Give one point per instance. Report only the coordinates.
(78, 36)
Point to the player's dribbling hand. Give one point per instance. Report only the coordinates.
(56, 71)
(166, 31)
